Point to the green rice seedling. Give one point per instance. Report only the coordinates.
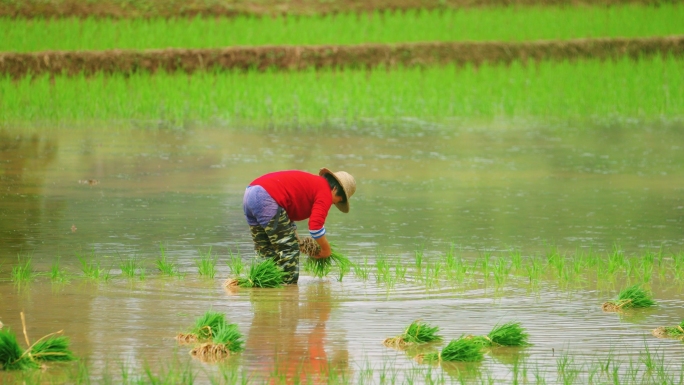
(534, 269)
(57, 275)
(92, 270)
(516, 259)
(462, 349)
(235, 264)
(225, 341)
(129, 267)
(49, 348)
(501, 270)
(165, 266)
(12, 357)
(206, 265)
(417, 332)
(263, 273)
(52, 348)
(362, 270)
(400, 270)
(382, 270)
(205, 327)
(507, 334)
(632, 297)
(670, 331)
(321, 267)
(418, 259)
(23, 272)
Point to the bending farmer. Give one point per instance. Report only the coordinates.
(274, 201)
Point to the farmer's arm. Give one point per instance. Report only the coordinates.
(325, 247)
(319, 213)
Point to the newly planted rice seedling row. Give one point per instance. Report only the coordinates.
(476, 24)
(645, 367)
(648, 88)
(450, 269)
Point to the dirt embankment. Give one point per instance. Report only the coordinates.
(231, 8)
(294, 58)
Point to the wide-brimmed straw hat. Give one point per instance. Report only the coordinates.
(348, 185)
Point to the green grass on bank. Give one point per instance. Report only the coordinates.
(474, 24)
(647, 88)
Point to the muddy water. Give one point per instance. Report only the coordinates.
(111, 194)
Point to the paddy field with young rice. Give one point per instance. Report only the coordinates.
(496, 198)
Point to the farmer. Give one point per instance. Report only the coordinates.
(274, 201)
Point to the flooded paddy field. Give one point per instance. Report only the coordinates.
(463, 227)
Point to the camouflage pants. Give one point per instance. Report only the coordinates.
(278, 240)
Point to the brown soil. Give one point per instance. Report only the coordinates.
(230, 8)
(301, 57)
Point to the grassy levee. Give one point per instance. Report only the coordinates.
(649, 88)
(232, 8)
(365, 56)
(503, 24)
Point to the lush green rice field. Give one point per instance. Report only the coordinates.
(477, 24)
(649, 88)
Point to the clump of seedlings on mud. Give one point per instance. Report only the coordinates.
(321, 267)
(632, 297)
(507, 334)
(205, 327)
(226, 341)
(462, 349)
(218, 338)
(670, 331)
(53, 347)
(265, 273)
(416, 333)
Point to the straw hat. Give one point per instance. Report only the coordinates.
(348, 185)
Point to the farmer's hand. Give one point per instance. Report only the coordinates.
(325, 248)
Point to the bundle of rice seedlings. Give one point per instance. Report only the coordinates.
(205, 327)
(261, 274)
(508, 334)
(12, 357)
(227, 340)
(417, 332)
(321, 267)
(630, 298)
(52, 348)
(462, 349)
(670, 331)
(49, 348)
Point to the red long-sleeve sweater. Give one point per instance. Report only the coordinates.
(301, 194)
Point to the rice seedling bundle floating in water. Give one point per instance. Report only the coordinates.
(226, 340)
(417, 332)
(261, 274)
(463, 349)
(205, 327)
(632, 297)
(321, 267)
(670, 331)
(508, 334)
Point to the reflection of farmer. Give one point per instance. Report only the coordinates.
(287, 338)
(273, 201)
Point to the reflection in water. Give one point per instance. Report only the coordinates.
(287, 338)
(23, 159)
